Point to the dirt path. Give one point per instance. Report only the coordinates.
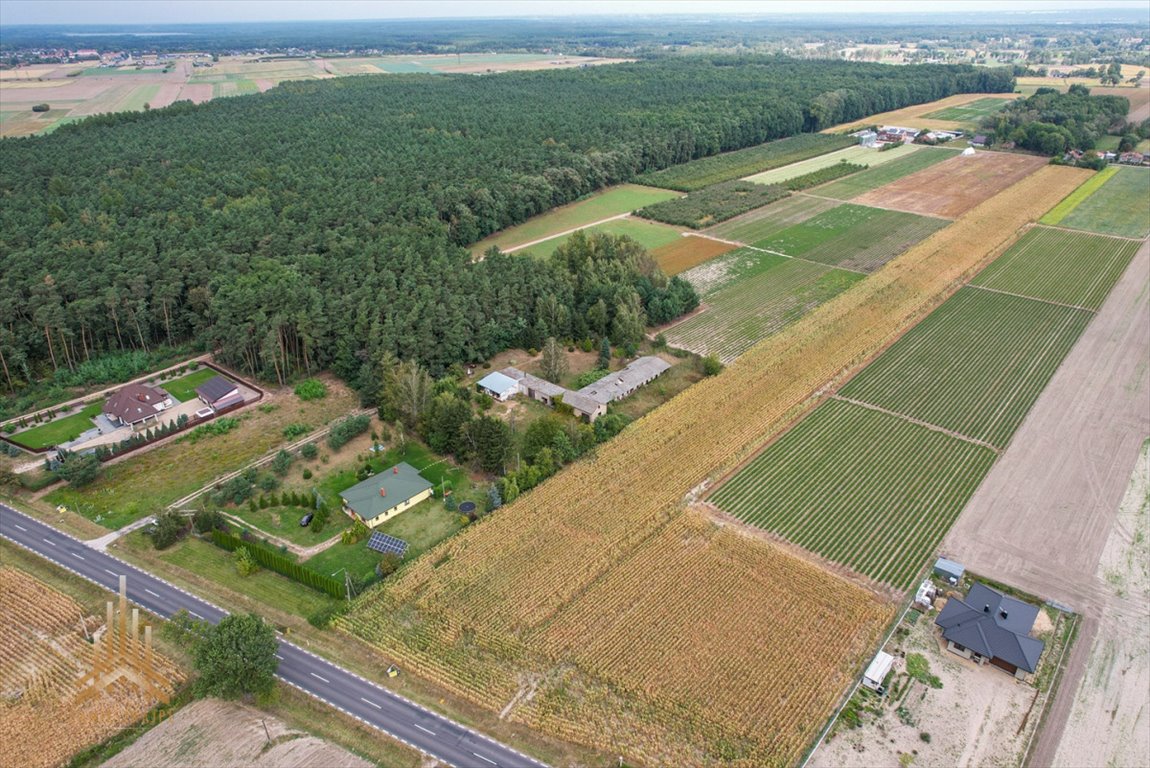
(521, 246)
(1041, 519)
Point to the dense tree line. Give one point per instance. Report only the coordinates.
(1052, 122)
(319, 225)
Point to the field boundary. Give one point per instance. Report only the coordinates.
(1067, 205)
(919, 422)
(1034, 298)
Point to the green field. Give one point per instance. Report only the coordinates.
(59, 431)
(184, 388)
(971, 112)
(1118, 207)
(1058, 265)
(750, 295)
(601, 205)
(649, 234)
(858, 155)
(859, 487)
(140, 96)
(706, 171)
(1059, 212)
(851, 236)
(975, 365)
(770, 220)
(876, 176)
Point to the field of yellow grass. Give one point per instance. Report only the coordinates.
(603, 609)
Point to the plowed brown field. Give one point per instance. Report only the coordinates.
(689, 251)
(953, 187)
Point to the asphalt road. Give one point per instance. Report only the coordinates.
(404, 720)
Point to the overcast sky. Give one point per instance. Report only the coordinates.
(201, 11)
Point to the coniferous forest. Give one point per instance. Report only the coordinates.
(322, 225)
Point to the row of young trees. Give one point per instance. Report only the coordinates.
(319, 225)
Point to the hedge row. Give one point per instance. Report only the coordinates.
(282, 565)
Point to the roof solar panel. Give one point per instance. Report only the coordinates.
(388, 545)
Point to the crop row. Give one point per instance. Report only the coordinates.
(975, 365)
(713, 204)
(860, 487)
(481, 604)
(770, 220)
(853, 236)
(748, 309)
(732, 165)
(1058, 265)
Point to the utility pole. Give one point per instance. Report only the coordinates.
(346, 582)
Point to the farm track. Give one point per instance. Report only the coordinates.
(471, 610)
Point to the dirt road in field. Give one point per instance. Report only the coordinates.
(1042, 518)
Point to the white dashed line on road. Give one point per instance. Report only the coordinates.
(110, 573)
(486, 759)
(317, 677)
(150, 592)
(420, 727)
(372, 703)
(281, 658)
(74, 554)
(19, 527)
(47, 541)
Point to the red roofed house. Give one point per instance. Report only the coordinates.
(136, 403)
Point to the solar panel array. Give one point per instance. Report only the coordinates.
(388, 545)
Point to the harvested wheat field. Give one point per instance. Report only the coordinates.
(953, 187)
(44, 651)
(689, 251)
(499, 614)
(224, 734)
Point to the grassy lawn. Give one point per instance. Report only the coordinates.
(970, 112)
(149, 481)
(184, 388)
(59, 431)
(600, 205)
(209, 561)
(284, 523)
(649, 234)
(680, 376)
(422, 527)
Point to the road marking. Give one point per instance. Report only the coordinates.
(77, 555)
(198, 616)
(150, 592)
(420, 727)
(317, 677)
(372, 703)
(49, 542)
(22, 528)
(110, 572)
(487, 759)
(281, 658)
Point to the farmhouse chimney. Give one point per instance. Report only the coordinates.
(986, 608)
(1003, 613)
(395, 470)
(382, 491)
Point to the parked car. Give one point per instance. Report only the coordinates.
(305, 521)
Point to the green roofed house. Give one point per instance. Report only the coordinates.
(381, 497)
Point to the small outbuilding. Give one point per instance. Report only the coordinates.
(499, 385)
(381, 497)
(949, 570)
(219, 393)
(877, 671)
(968, 152)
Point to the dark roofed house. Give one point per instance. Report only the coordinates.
(136, 403)
(381, 497)
(990, 626)
(219, 393)
(979, 140)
